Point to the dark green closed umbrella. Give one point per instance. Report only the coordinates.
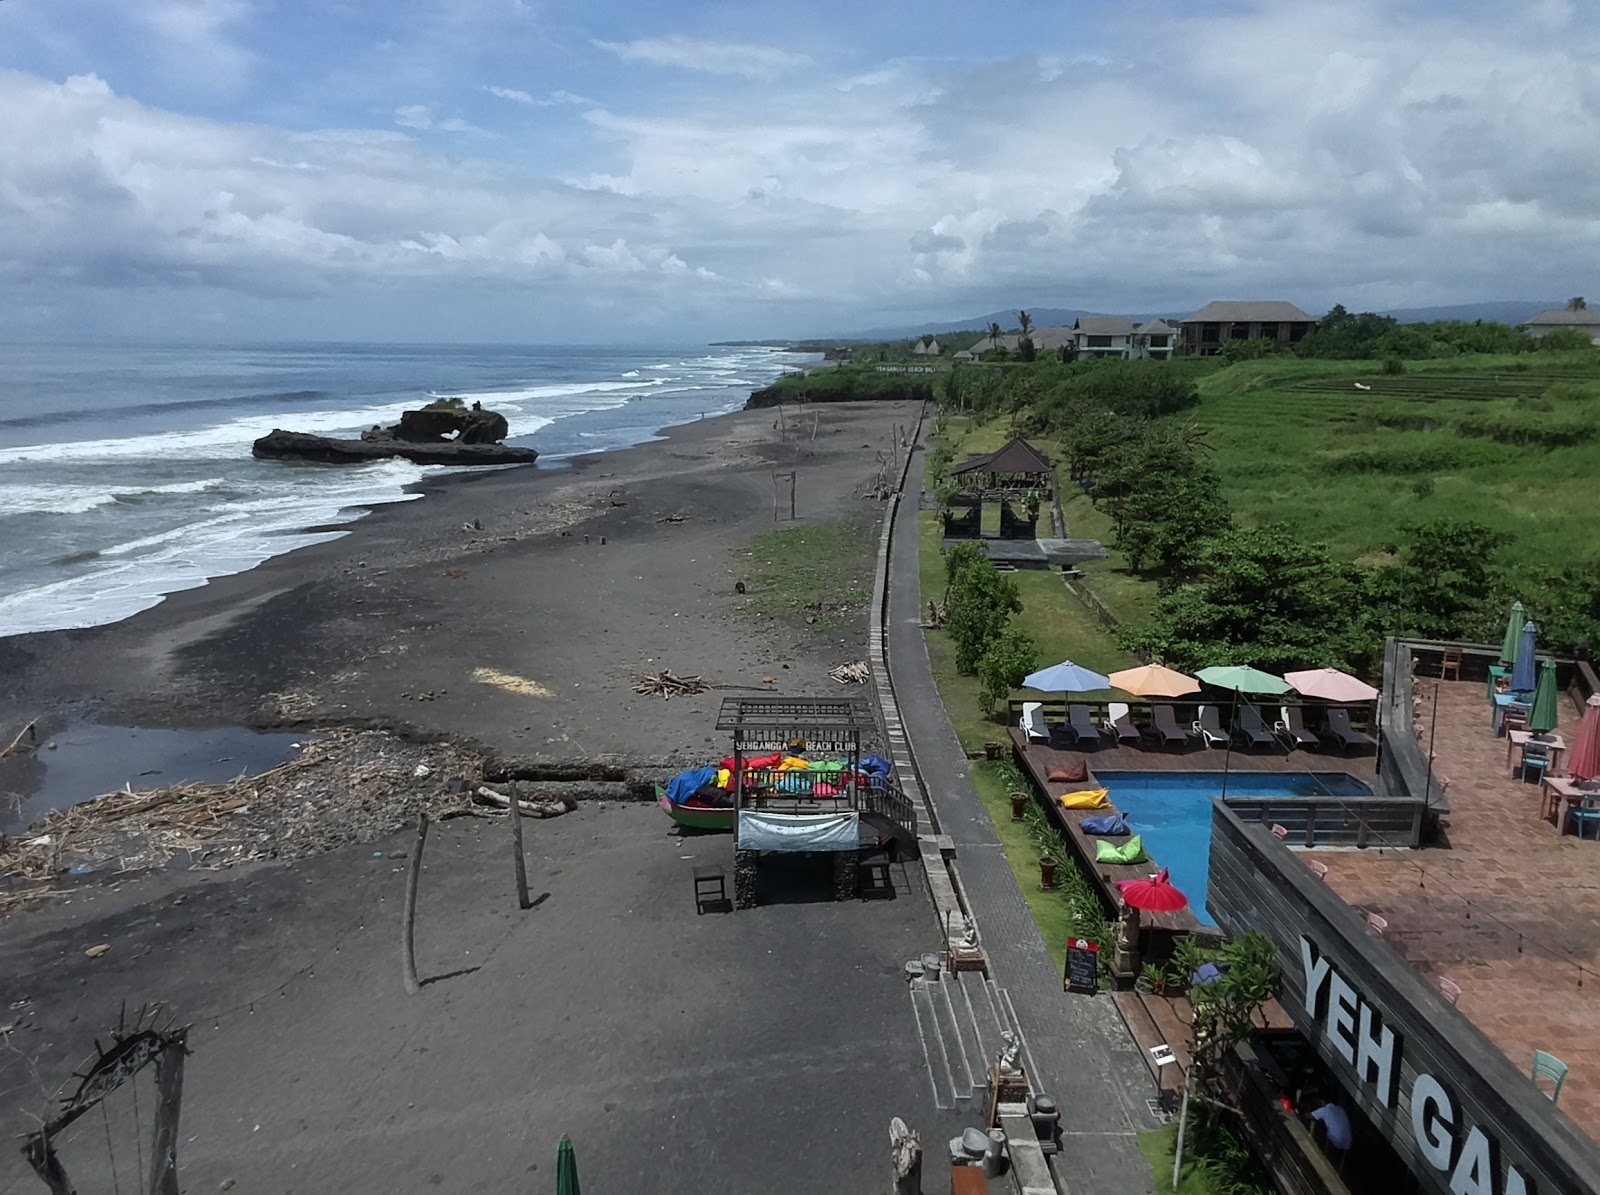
(1542, 716)
(1508, 645)
(566, 1168)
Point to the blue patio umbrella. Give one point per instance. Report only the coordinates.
(1522, 672)
(1066, 677)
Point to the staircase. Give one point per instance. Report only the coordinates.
(885, 809)
(959, 1020)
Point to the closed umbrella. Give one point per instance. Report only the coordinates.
(1154, 680)
(1066, 677)
(1584, 762)
(1153, 893)
(1522, 672)
(566, 1168)
(1331, 685)
(1542, 717)
(1242, 678)
(1508, 645)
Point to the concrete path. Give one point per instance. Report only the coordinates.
(1083, 1054)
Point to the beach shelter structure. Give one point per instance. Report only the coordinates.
(1066, 677)
(1542, 715)
(1523, 669)
(566, 1168)
(1584, 762)
(1018, 466)
(1154, 680)
(1513, 635)
(1330, 684)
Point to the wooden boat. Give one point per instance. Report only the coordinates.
(696, 817)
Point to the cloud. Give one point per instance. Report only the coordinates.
(512, 94)
(712, 57)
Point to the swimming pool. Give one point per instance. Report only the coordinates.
(1173, 812)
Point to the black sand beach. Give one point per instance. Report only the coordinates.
(509, 613)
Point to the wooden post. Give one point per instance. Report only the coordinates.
(408, 953)
(905, 1153)
(42, 1157)
(516, 849)
(169, 1099)
(1183, 1121)
(791, 494)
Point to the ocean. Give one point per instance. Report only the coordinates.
(126, 474)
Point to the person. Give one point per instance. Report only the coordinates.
(1335, 1123)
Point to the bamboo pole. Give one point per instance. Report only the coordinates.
(408, 952)
(515, 819)
(169, 1100)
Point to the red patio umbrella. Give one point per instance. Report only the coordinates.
(1154, 893)
(1584, 762)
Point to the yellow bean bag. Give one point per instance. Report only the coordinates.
(1085, 798)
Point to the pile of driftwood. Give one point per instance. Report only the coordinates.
(853, 673)
(664, 684)
(554, 807)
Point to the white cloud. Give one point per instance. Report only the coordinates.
(712, 57)
(512, 94)
(198, 36)
(414, 116)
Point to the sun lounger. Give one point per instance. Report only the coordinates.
(1120, 723)
(1032, 722)
(1293, 728)
(1251, 728)
(1080, 725)
(1166, 724)
(1341, 732)
(1209, 728)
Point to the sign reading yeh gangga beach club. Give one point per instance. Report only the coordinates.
(1355, 1030)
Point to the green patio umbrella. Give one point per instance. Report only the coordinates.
(566, 1168)
(1242, 678)
(1542, 716)
(1508, 645)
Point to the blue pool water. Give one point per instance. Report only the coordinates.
(1173, 812)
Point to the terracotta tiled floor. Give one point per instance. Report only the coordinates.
(1506, 911)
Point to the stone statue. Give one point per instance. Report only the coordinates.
(1009, 1056)
(969, 936)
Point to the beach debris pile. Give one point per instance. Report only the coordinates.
(552, 807)
(853, 673)
(668, 686)
(344, 786)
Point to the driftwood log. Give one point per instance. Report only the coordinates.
(853, 673)
(664, 684)
(551, 808)
(16, 747)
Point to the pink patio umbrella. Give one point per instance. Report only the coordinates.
(1153, 893)
(1584, 762)
(1331, 685)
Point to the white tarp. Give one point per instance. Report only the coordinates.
(798, 831)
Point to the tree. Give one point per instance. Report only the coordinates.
(1441, 588)
(1263, 597)
(995, 332)
(1576, 303)
(1025, 321)
(957, 560)
(981, 603)
(1009, 659)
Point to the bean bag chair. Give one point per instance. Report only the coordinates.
(1085, 798)
(1131, 851)
(1075, 773)
(1108, 823)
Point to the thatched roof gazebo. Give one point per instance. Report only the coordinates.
(1018, 466)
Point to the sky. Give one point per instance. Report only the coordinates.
(610, 171)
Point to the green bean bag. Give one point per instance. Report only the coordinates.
(1131, 851)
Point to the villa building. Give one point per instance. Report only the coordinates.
(1579, 319)
(1215, 324)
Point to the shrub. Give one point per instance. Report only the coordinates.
(1009, 658)
(1392, 364)
(982, 602)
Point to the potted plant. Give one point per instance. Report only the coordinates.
(991, 751)
(1047, 872)
(1019, 806)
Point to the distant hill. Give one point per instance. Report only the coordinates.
(1504, 311)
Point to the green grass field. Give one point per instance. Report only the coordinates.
(1297, 443)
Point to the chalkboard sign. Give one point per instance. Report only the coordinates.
(1082, 972)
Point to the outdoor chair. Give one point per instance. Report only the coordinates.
(1166, 725)
(1120, 723)
(1450, 664)
(1548, 1066)
(1293, 728)
(1377, 924)
(1347, 736)
(1081, 725)
(1584, 814)
(1251, 728)
(1032, 722)
(1450, 990)
(1535, 759)
(1209, 728)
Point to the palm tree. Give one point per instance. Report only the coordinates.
(994, 335)
(1025, 321)
(1576, 304)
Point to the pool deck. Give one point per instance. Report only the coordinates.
(1507, 907)
(1036, 759)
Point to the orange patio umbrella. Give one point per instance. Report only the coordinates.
(1154, 680)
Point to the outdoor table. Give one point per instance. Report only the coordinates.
(1568, 789)
(1496, 672)
(1519, 738)
(1502, 702)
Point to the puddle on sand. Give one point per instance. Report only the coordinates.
(88, 759)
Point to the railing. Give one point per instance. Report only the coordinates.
(887, 800)
(794, 790)
(1337, 821)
